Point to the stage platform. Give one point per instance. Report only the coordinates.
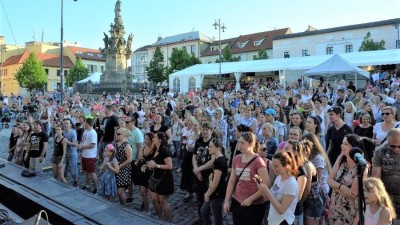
(64, 204)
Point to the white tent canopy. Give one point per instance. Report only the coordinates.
(198, 72)
(336, 66)
(93, 77)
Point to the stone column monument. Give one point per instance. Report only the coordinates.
(116, 76)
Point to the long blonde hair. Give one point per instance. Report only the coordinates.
(376, 186)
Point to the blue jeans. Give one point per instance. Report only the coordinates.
(177, 147)
(215, 205)
(71, 159)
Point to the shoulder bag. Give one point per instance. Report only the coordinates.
(238, 178)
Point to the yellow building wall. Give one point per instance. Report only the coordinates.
(8, 81)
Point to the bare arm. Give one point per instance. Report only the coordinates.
(128, 152)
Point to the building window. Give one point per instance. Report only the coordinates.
(329, 50)
(192, 49)
(58, 72)
(65, 73)
(47, 71)
(397, 44)
(177, 85)
(102, 68)
(258, 42)
(192, 84)
(349, 48)
(286, 55)
(304, 53)
(94, 68)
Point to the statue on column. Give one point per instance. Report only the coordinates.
(129, 44)
(106, 40)
(117, 9)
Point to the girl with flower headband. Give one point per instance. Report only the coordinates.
(107, 184)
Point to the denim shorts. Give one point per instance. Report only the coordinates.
(313, 207)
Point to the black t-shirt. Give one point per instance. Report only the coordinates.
(37, 140)
(221, 164)
(109, 130)
(202, 154)
(13, 141)
(162, 129)
(336, 138)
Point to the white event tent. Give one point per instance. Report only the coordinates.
(192, 77)
(93, 77)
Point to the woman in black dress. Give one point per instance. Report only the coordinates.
(162, 166)
(159, 127)
(144, 175)
(124, 158)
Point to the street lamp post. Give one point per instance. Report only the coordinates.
(62, 53)
(396, 26)
(220, 27)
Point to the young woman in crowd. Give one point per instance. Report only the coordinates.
(349, 113)
(267, 138)
(214, 196)
(58, 159)
(297, 120)
(365, 129)
(161, 165)
(280, 114)
(295, 133)
(321, 162)
(343, 180)
(177, 128)
(247, 205)
(144, 176)
(189, 136)
(313, 125)
(283, 195)
(124, 158)
(389, 121)
(319, 111)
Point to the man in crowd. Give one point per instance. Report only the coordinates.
(88, 146)
(336, 133)
(386, 165)
(37, 146)
(71, 156)
(136, 140)
(108, 125)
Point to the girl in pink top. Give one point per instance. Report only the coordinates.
(247, 204)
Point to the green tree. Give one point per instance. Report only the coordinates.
(227, 56)
(180, 59)
(76, 73)
(155, 70)
(262, 54)
(370, 45)
(32, 74)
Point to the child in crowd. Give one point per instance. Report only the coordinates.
(107, 185)
(379, 209)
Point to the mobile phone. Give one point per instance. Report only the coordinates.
(259, 180)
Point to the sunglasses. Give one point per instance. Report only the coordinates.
(394, 146)
(386, 114)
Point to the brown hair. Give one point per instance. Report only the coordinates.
(250, 138)
(287, 158)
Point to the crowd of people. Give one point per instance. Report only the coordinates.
(263, 155)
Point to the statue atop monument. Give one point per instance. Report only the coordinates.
(117, 51)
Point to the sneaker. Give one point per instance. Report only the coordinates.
(85, 188)
(95, 191)
(129, 201)
(75, 184)
(187, 198)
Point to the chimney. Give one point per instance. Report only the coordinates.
(159, 38)
(311, 28)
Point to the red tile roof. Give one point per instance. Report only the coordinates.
(49, 60)
(212, 49)
(87, 53)
(266, 37)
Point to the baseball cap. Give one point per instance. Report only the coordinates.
(270, 112)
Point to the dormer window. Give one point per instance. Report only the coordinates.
(241, 44)
(258, 42)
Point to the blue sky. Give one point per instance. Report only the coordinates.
(85, 20)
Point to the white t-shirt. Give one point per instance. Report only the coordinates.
(380, 134)
(278, 190)
(89, 137)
